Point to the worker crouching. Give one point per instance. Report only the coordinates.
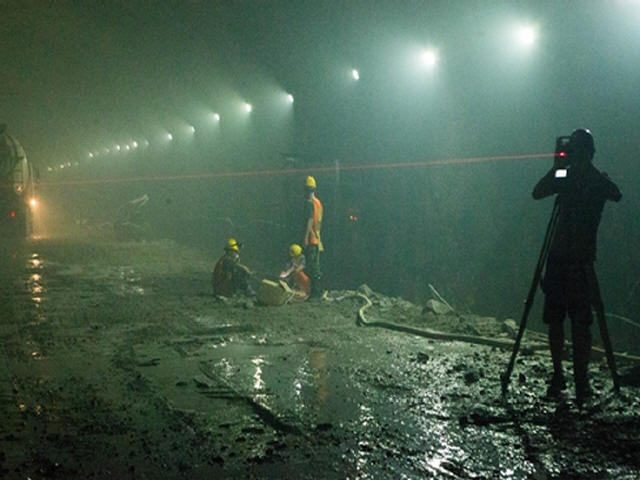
(295, 275)
(229, 275)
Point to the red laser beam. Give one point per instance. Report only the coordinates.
(306, 170)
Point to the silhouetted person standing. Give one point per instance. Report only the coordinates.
(570, 283)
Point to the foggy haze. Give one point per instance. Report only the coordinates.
(80, 78)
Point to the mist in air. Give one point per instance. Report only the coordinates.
(426, 125)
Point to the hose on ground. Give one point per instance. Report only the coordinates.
(444, 336)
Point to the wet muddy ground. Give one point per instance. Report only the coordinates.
(118, 363)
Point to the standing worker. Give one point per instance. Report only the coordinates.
(229, 275)
(570, 283)
(312, 241)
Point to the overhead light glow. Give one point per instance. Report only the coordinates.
(127, 147)
(135, 144)
(169, 136)
(192, 129)
(429, 58)
(90, 154)
(526, 36)
(290, 98)
(355, 74)
(118, 148)
(248, 107)
(216, 117)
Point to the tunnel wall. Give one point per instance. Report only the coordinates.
(471, 231)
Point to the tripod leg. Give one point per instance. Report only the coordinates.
(516, 346)
(544, 252)
(598, 305)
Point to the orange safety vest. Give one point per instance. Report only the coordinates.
(314, 234)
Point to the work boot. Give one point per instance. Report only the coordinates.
(583, 393)
(557, 385)
(314, 299)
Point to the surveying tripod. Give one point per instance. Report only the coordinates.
(596, 303)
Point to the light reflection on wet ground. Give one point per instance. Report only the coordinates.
(358, 403)
(422, 418)
(315, 388)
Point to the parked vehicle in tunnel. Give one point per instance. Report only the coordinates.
(17, 188)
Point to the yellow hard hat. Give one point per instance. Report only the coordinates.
(232, 244)
(295, 250)
(310, 182)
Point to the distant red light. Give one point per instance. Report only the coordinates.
(561, 154)
(12, 214)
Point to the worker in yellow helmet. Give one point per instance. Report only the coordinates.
(229, 275)
(294, 273)
(312, 242)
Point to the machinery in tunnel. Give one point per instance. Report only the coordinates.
(17, 188)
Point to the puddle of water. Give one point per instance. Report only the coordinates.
(34, 262)
(128, 282)
(35, 286)
(298, 383)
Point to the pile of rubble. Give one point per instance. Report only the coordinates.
(436, 314)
